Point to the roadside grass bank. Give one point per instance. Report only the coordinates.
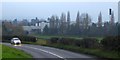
(0, 51)
(13, 53)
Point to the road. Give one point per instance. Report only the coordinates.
(48, 53)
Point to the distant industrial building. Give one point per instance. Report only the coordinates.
(36, 26)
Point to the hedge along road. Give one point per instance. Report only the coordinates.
(49, 53)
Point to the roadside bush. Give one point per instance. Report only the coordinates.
(67, 41)
(64, 41)
(78, 43)
(111, 43)
(89, 43)
(28, 38)
(7, 38)
(86, 42)
(53, 40)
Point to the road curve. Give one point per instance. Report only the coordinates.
(38, 51)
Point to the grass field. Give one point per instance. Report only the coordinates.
(8, 52)
(75, 37)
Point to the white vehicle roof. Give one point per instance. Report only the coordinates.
(15, 38)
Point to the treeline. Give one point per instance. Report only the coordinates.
(91, 31)
(10, 31)
(83, 26)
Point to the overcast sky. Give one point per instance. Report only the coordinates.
(59, 0)
(29, 10)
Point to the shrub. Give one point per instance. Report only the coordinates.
(53, 40)
(67, 41)
(7, 38)
(86, 42)
(28, 38)
(89, 43)
(78, 43)
(64, 41)
(111, 43)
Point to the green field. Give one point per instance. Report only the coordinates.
(8, 52)
(75, 37)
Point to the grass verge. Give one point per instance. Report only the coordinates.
(8, 52)
(67, 36)
(0, 51)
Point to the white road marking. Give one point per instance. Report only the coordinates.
(47, 52)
